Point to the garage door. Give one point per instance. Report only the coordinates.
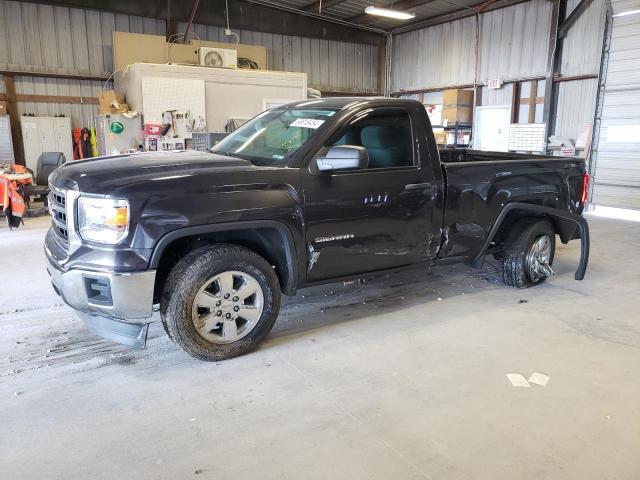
(616, 158)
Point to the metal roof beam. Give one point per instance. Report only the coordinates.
(191, 17)
(573, 17)
(319, 5)
(255, 15)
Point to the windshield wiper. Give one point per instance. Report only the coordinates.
(232, 155)
(224, 154)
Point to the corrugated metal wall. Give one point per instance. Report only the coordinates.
(81, 115)
(616, 161)
(515, 41)
(434, 57)
(514, 45)
(498, 96)
(45, 38)
(582, 48)
(581, 55)
(38, 37)
(576, 106)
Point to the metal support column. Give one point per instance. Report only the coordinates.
(14, 118)
(548, 115)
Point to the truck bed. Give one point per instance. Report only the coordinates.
(480, 183)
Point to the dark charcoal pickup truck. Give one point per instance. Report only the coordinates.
(314, 191)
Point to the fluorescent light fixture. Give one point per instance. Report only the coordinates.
(387, 12)
(624, 14)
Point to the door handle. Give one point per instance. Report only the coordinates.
(418, 186)
(376, 199)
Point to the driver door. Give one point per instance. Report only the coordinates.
(372, 218)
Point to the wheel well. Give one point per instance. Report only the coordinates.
(269, 243)
(566, 229)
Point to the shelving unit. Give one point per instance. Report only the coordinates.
(457, 128)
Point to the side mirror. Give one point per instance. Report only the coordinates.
(343, 157)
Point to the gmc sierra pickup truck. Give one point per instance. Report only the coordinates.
(314, 191)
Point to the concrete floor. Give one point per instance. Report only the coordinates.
(403, 377)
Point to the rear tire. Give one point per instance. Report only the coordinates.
(528, 242)
(203, 305)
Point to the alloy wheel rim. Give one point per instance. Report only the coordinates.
(227, 307)
(538, 260)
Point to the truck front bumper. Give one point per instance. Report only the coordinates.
(116, 306)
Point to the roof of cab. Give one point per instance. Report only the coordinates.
(341, 102)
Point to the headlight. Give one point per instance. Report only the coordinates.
(103, 220)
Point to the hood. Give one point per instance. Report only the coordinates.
(103, 174)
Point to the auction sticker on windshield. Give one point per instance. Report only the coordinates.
(307, 123)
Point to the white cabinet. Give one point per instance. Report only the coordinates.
(45, 134)
(6, 143)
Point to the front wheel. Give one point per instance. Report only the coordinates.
(220, 301)
(528, 255)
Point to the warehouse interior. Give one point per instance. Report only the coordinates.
(420, 372)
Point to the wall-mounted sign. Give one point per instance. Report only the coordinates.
(494, 83)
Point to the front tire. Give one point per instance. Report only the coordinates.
(528, 254)
(220, 301)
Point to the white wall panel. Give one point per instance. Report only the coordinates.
(623, 72)
(616, 165)
(620, 6)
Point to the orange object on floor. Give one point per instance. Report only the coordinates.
(11, 199)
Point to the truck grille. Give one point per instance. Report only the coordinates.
(58, 210)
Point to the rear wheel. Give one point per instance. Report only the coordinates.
(528, 254)
(220, 301)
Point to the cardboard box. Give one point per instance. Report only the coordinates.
(457, 114)
(441, 137)
(453, 98)
(457, 106)
(112, 102)
(130, 48)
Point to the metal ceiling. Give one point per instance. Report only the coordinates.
(329, 19)
(427, 12)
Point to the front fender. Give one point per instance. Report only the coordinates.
(292, 252)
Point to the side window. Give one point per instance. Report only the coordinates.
(386, 136)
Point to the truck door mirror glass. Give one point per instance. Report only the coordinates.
(343, 157)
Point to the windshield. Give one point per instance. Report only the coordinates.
(273, 136)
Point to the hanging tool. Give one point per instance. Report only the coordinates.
(173, 123)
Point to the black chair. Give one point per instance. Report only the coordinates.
(47, 163)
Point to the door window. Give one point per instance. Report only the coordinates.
(386, 136)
